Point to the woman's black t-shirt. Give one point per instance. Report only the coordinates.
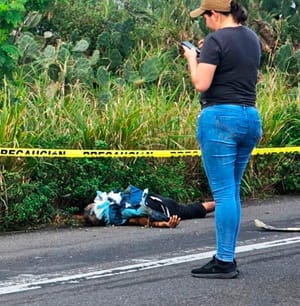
(236, 52)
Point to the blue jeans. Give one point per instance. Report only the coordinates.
(227, 135)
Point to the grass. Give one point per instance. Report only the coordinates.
(152, 117)
(280, 110)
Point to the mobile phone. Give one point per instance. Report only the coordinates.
(190, 46)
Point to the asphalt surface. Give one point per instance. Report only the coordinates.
(151, 266)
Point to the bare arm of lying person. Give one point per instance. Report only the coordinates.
(144, 221)
(91, 219)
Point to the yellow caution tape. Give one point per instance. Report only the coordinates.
(26, 152)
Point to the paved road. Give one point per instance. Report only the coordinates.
(150, 266)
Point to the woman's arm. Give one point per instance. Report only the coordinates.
(202, 74)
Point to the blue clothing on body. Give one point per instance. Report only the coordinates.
(115, 208)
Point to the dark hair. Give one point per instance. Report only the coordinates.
(238, 12)
(91, 219)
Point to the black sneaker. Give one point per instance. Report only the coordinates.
(217, 269)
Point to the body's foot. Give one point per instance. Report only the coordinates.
(217, 269)
(209, 206)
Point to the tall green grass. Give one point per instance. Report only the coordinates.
(280, 110)
(134, 119)
(152, 117)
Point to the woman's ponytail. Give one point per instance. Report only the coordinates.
(238, 12)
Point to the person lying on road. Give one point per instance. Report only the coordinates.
(138, 207)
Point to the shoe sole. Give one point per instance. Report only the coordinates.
(228, 275)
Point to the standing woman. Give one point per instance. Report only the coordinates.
(229, 125)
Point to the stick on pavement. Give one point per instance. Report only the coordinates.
(268, 227)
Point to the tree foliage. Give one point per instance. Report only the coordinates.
(12, 15)
(115, 28)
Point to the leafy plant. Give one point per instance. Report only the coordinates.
(12, 15)
(272, 174)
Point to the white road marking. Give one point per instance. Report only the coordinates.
(32, 282)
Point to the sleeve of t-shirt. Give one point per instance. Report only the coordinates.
(210, 52)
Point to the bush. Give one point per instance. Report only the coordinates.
(64, 184)
(272, 174)
(12, 15)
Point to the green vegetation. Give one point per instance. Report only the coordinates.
(114, 78)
